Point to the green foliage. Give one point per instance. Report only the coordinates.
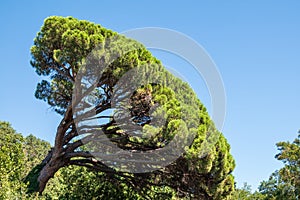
(11, 162)
(275, 188)
(290, 156)
(61, 45)
(245, 193)
(11, 154)
(285, 182)
(18, 155)
(35, 150)
(79, 183)
(60, 52)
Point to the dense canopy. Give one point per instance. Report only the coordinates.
(104, 84)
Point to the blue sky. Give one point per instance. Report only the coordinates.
(255, 45)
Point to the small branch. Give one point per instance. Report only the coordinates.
(99, 117)
(84, 154)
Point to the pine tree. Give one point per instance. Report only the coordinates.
(92, 71)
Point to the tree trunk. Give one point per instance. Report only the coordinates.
(48, 172)
(55, 159)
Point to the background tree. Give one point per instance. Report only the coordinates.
(60, 52)
(18, 155)
(245, 193)
(11, 162)
(285, 182)
(35, 151)
(290, 156)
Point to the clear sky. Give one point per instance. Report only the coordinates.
(255, 44)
